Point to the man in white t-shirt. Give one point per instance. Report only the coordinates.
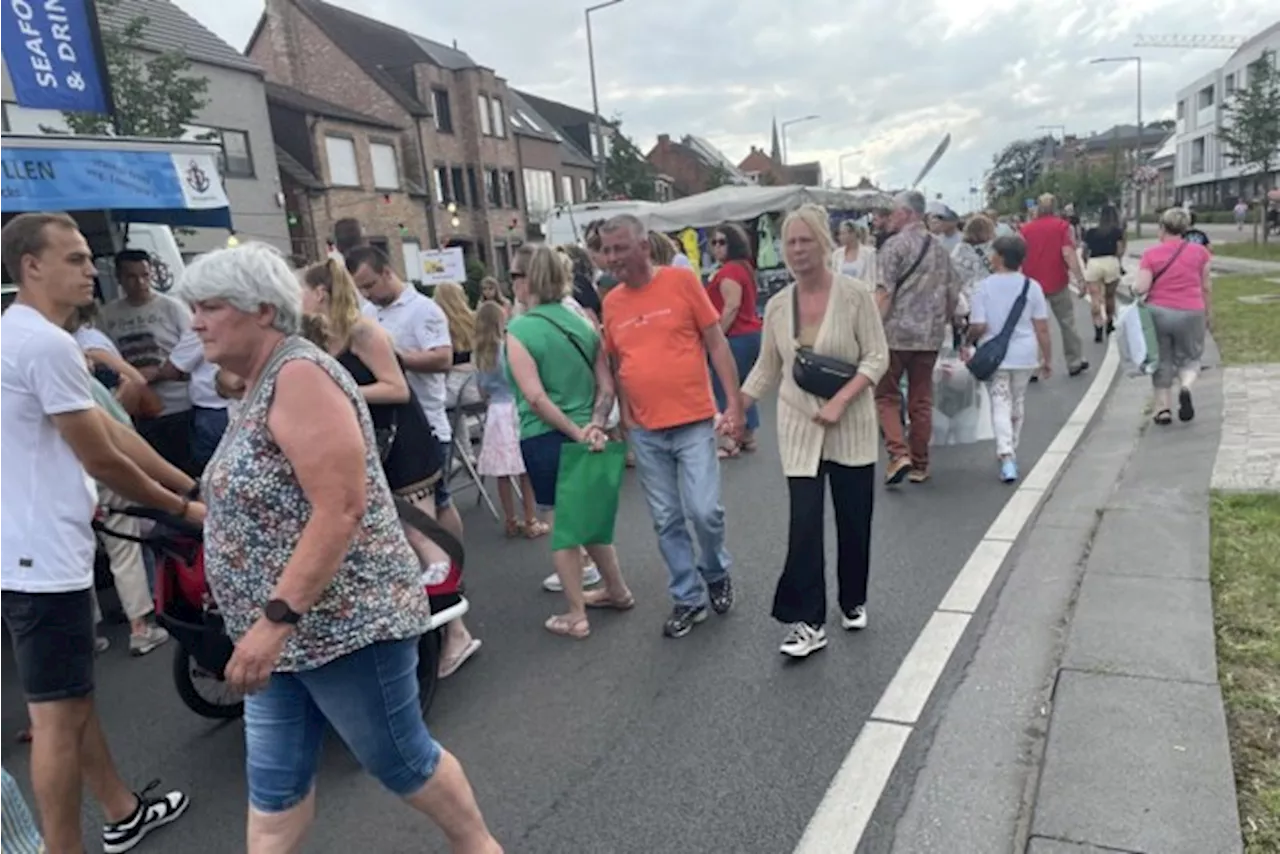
(146, 326)
(421, 334)
(56, 442)
(209, 413)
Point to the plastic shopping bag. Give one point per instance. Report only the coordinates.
(1136, 337)
(587, 489)
(961, 411)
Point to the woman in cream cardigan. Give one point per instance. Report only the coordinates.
(821, 440)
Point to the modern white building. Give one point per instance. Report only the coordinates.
(1203, 173)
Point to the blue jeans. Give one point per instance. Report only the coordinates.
(370, 697)
(681, 479)
(745, 349)
(207, 427)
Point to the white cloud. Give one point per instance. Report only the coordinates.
(888, 79)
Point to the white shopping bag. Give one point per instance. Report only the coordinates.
(1132, 341)
(961, 410)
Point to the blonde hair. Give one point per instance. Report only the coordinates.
(452, 299)
(813, 217)
(979, 229)
(344, 302)
(857, 229)
(545, 270)
(490, 320)
(1175, 221)
(661, 250)
(497, 290)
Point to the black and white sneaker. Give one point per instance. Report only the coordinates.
(721, 594)
(854, 619)
(682, 620)
(150, 814)
(803, 640)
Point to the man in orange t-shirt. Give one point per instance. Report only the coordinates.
(659, 329)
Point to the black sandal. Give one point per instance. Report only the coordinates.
(1164, 417)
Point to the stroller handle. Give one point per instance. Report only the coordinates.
(177, 523)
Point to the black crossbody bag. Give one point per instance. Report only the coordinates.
(824, 376)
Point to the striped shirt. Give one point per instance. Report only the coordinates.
(851, 330)
(19, 834)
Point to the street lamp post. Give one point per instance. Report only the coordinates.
(595, 95)
(783, 128)
(1137, 151)
(840, 164)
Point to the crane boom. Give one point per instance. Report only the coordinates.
(1192, 42)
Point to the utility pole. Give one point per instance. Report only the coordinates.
(595, 96)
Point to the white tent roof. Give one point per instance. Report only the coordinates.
(738, 204)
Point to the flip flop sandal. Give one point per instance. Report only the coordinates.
(567, 627)
(1164, 418)
(535, 528)
(1186, 409)
(602, 599)
(450, 667)
(514, 528)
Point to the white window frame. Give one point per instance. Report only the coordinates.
(382, 151)
(341, 145)
(482, 105)
(499, 125)
(566, 189)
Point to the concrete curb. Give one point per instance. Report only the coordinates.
(1089, 713)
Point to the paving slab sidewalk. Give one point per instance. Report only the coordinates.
(1089, 717)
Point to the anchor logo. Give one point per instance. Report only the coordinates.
(197, 178)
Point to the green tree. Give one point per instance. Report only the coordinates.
(719, 177)
(627, 173)
(154, 94)
(1014, 171)
(1250, 130)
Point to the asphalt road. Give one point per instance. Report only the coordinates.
(628, 742)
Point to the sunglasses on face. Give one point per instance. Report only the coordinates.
(719, 241)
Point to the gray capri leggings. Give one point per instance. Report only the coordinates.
(1180, 336)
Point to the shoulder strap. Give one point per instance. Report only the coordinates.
(569, 335)
(1019, 306)
(1168, 264)
(924, 250)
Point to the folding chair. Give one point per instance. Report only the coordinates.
(466, 420)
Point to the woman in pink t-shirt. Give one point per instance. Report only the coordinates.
(1174, 276)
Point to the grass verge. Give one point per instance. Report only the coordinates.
(1248, 249)
(1246, 332)
(1245, 573)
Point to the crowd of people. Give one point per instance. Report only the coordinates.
(316, 403)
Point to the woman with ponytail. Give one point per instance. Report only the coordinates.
(412, 458)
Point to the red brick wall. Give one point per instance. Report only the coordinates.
(688, 172)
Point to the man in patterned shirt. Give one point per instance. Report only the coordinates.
(917, 289)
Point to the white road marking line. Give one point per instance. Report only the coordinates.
(904, 698)
(845, 811)
(975, 576)
(1017, 510)
(846, 808)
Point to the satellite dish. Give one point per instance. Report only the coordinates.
(933, 160)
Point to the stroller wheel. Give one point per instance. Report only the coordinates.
(203, 692)
(428, 668)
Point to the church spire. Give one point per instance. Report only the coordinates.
(775, 153)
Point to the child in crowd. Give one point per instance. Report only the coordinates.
(500, 448)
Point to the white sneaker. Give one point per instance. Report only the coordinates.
(803, 639)
(144, 643)
(590, 578)
(855, 619)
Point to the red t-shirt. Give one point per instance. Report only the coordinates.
(747, 320)
(1046, 237)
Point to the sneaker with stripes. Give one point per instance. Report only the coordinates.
(152, 813)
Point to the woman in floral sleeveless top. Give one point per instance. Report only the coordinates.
(307, 560)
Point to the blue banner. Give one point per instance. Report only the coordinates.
(172, 186)
(50, 48)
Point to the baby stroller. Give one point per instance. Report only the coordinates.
(185, 607)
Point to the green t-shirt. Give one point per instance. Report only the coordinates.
(107, 401)
(568, 378)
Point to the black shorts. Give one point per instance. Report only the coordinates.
(53, 638)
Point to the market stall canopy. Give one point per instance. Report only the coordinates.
(742, 204)
(137, 180)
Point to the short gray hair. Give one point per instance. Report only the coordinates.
(615, 223)
(1175, 221)
(247, 276)
(910, 200)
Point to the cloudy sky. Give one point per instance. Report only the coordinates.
(888, 79)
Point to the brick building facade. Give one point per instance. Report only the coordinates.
(453, 134)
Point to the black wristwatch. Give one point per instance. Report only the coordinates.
(278, 611)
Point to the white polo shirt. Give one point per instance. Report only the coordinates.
(46, 499)
(417, 323)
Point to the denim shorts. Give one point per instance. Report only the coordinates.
(369, 697)
(542, 464)
(53, 636)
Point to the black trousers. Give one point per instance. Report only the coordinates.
(801, 596)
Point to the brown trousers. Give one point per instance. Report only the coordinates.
(918, 367)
